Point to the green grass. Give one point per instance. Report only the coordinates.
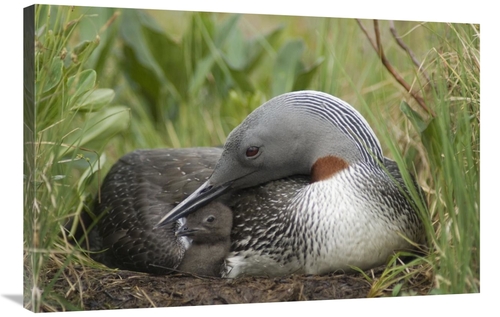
(180, 79)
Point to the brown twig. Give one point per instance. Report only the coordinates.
(377, 46)
(367, 35)
(408, 51)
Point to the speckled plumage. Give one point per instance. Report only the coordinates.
(274, 241)
(138, 190)
(144, 184)
(304, 174)
(262, 226)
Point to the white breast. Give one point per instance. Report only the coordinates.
(341, 224)
(351, 227)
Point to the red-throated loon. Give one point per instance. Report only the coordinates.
(304, 174)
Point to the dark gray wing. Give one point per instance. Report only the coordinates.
(393, 169)
(136, 193)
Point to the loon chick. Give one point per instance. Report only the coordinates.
(354, 212)
(209, 228)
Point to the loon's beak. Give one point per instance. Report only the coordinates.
(199, 198)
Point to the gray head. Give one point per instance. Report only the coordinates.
(210, 223)
(288, 135)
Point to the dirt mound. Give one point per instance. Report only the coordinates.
(97, 289)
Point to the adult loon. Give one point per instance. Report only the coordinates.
(304, 174)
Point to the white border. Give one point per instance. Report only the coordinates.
(444, 11)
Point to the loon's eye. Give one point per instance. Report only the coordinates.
(252, 151)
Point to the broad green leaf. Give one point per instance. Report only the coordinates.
(81, 83)
(106, 123)
(54, 74)
(432, 140)
(69, 27)
(203, 23)
(81, 47)
(242, 80)
(223, 78)
(285, 66)
(305, 76)
(203, 68)
(417, 121)
(262, 44)
(84, 47)
(397, 289)
(93, 168)
(40, 31)
(243, 55)
(99, 16)
(193, 45)
(143, 79)
(225, 29)
(131, 32)
(94, 100)
(100, 57)
(429, 133)
(99, 127)
(236, 52)
(140, 64)
(170, 56)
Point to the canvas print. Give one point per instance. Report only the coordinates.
(176, 158)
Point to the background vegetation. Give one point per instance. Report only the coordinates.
(108, 81)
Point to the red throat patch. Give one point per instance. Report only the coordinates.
(326, 167)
